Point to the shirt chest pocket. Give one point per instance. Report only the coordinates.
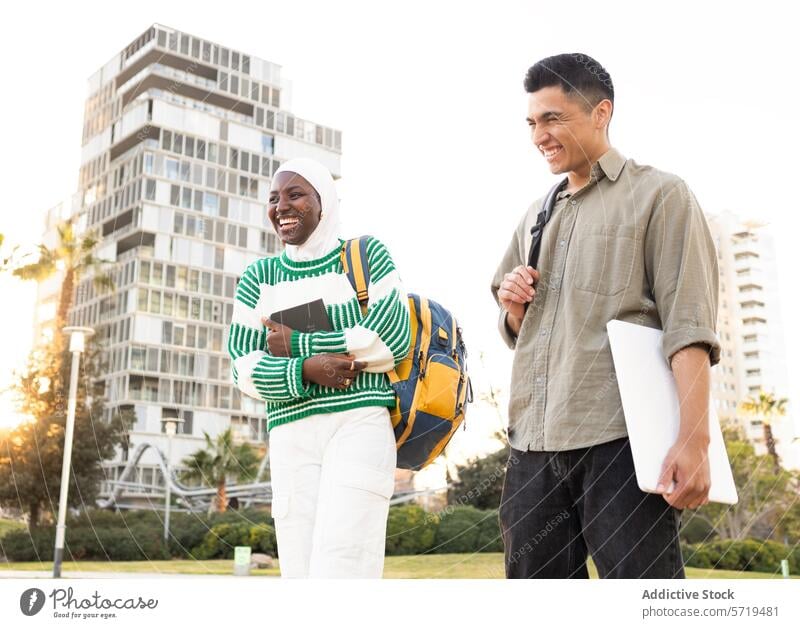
(604, 257)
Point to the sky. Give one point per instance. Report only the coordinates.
(437, 159)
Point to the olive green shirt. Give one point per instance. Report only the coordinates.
(632, 245)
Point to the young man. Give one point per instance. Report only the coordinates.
(624, 241)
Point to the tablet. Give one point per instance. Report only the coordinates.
(652, 414)
(307, 317)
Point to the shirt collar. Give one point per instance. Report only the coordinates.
(610, 164)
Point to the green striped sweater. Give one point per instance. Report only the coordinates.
(381, 338)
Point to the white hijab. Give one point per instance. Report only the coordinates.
(325, 236)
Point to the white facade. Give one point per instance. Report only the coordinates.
(751, 330)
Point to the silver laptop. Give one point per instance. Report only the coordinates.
(652, 414)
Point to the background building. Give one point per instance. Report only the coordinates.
(180, 138)
(750, 328)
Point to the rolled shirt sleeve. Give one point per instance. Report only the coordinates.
(683, 272)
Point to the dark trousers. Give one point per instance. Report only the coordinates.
(557, 507)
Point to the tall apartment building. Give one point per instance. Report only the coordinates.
(750, 328)
(181, 136)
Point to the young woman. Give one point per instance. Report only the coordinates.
(331, 445)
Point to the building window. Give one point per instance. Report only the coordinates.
(172, 169)
(137, 358)
(188, 422)
(186, 198)
(211, 204)
(267, 144)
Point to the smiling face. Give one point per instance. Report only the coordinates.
(568, 134)
(294, 208)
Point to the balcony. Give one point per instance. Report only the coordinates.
(200, 93)
(142, 239)
(751, 305)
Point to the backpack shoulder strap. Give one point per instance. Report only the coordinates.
(354, 262)
(541, 221)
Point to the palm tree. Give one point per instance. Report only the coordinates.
(74, 254)
(7, 258)
(766, 407)
(221, 460)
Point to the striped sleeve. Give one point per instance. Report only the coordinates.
(254, 371)
(383, 337)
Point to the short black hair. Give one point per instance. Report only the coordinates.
(578, 75)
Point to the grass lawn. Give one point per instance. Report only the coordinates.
(427, 566)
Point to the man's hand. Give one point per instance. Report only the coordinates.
(279, 340)
(335, 370)
(687, 459)
(687, 464)
(516, 291)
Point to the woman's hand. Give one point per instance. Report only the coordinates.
(335, 370)
(279, 340)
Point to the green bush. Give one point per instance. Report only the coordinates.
(221, 539)
(135, 543)
(459, 529)
(99, 534)
(262, 539)
(745, 555)
(102, 518)
(489, 539)
(251, 516)
(138, 542)
(410, 530)
(697, 556)
(696, 530)
(10, 525)
(186, 533)
(21, 545)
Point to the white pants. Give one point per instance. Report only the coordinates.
(332, 478)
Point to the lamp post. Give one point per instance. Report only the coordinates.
(170, 427)
(76, 346)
